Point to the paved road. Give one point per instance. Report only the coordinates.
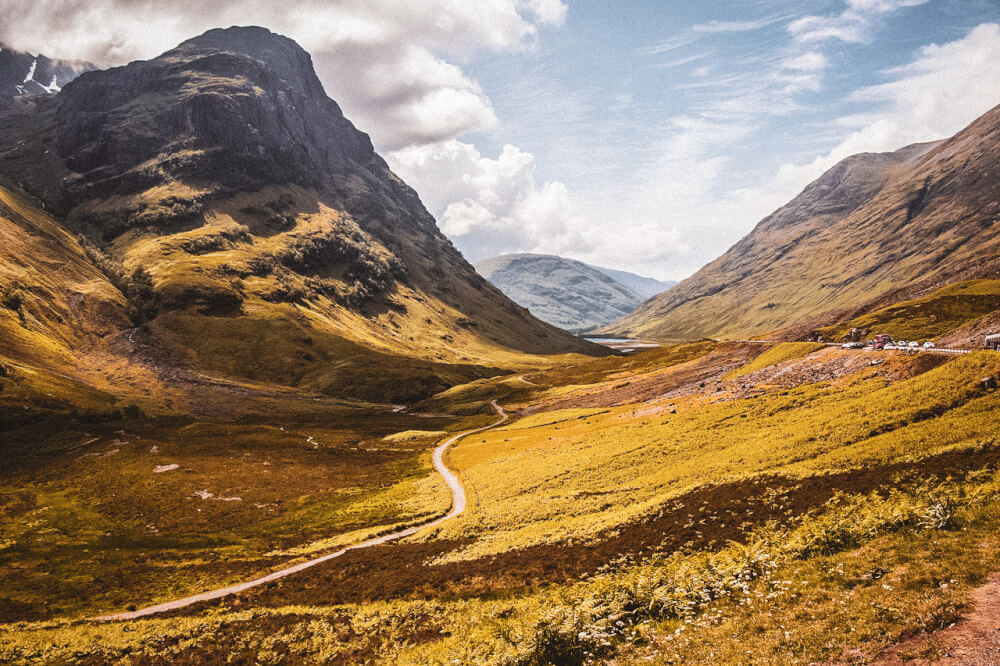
(933, 350)
(457, 506)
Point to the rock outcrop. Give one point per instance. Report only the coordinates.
(25, 74)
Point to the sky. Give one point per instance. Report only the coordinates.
(644, 135)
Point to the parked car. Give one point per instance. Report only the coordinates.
(853, 345)
(928, 345)
(880, 341)
(889, 347)
(914, 345)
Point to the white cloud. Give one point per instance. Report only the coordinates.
(551, 12)
(851, 25)
(490, 206)
(944, 89)
(738, 26)
(846, 28)
(391, 65)
(807, 62)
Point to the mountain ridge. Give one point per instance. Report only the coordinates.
(646, 287)
(873, 223)
(22, 73)
(567, 293)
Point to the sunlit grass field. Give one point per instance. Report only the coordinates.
(780, 574)
(571, 474)
(135, 512)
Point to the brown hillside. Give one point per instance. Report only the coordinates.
(874, 223)
(255, 231)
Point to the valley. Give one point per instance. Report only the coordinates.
(604, 473)
(256, 407)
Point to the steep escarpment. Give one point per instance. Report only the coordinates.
(874, 223)
(222, 186)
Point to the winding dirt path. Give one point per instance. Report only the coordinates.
(458, 504)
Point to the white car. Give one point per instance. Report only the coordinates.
(914, 345)
(928, 345)
(889, 347)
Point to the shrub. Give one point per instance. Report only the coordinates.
(13, 300)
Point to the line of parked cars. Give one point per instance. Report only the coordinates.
(885, 342)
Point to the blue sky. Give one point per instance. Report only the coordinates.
(647, 136)
(621, 71)
(622, 91)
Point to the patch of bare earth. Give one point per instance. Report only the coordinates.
(684, 379)
(973, 641)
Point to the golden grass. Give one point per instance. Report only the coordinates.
(413, 435)
(570, 479)
(88, 524)
(927, 318)
(847, 577)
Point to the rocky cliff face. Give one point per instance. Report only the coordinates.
(221, 185)
(24, 74)
(563, 292)
(874, 223)
(233, 108)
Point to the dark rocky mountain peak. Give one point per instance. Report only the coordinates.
(236, 108)
(282, 55)
(225, 173)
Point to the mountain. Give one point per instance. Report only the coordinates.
(895, 224)
(646, 287)
(25, 74)
(245, 228)
(564, 292)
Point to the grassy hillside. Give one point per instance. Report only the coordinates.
(929, 318)
(631, 498)
(260, 239)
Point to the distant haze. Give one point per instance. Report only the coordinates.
(568, 293)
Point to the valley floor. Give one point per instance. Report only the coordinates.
(708, 502)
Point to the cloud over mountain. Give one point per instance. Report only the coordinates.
(392, 65)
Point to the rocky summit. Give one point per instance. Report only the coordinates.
(23, 74)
